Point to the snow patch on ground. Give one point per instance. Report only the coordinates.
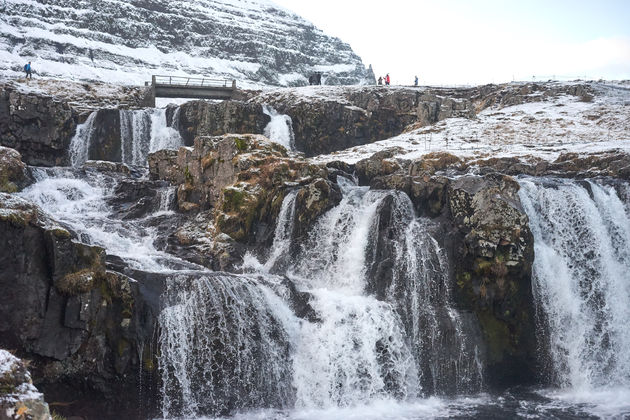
(543, 129)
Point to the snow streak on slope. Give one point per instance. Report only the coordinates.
(252, 41)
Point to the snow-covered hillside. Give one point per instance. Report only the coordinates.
(253, 41)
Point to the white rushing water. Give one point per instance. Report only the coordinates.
(81, 203)
(146, 131)
(361, 350)
(141, 132)
(582, 284)
(80, 143)
(280, 128)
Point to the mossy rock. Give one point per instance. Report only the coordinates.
(79, 282)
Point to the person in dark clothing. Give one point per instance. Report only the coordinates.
(91, 55)
(415, 82)
(28, 71)
(380, 81)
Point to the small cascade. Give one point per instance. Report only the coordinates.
(145, 131)
(283, 233)
(225, 343)
(81, 203)
(141, 132)
(449, 359)
(581, 287)
(280, 128)
(80, 143)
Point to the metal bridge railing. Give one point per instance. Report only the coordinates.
(180, 81)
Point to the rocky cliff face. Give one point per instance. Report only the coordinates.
(82, 326)
(328, 120)
(251, 41)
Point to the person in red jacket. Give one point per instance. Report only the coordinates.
(387, 80)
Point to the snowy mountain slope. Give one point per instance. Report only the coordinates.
(253, 41)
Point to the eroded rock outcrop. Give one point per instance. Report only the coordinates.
(493, 250)
(203, 118)
(82, 325)
(240, 182)
(14, 174)
(38, 126)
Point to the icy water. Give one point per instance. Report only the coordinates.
(235, 343)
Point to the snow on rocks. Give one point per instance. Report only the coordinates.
(544, 128)
(19, 399)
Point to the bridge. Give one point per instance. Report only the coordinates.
(190, 87)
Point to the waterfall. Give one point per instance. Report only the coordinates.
(146, 131)
(80, 143)
(141, 132)
(448, 358)
(580, 279)
(280, 128)
(410, 342)
(225, 344)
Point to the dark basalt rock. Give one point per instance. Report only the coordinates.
(203, 118)
(38, 126)
(105, 139)
(492, 250)
(86, 330)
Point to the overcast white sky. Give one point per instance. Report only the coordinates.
(479, 41)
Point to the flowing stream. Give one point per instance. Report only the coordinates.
(314, 329)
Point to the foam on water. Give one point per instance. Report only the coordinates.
(280, 128)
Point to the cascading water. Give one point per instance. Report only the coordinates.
(449, 359)
(364, 348)
(280, 128)
(373, 345)
(146, 131)
(581, 281)
(225, 343)
(80, 143)
(141, 132)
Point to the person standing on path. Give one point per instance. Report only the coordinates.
(387, 80)
(415, 82)
(28, 71)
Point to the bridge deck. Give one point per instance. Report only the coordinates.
(192, 87)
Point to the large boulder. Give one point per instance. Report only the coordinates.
(14, 174)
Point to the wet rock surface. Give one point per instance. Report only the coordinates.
(82, 325)
(14, 174)
(235, 184)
